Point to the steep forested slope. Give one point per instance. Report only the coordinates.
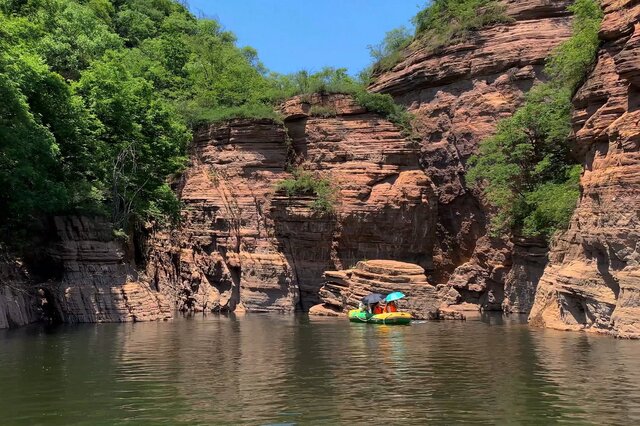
(97, 100)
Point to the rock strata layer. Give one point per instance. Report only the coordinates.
(342, 290)
(98, 282)
(225, 256)
(592, 281)
(17, 301)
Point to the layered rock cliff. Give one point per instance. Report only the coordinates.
(98, 281)
(458, 94)
(79, 272)
(17, 298)
(244, 246)
(592, 281)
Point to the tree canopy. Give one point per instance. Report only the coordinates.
(98, 96)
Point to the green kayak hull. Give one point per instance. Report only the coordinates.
(390, 318)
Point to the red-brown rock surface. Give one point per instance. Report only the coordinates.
(342, 290)
(244, 246)
(385, 207)
(458, 94)
(593, 279)
(98, 283)
(77, 271)
(225, 256)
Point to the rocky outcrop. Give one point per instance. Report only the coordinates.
(592, 281)
(342, 290)
(529, 258)
(17, 301)
(77, 272)
(97, 281)
(458, 94)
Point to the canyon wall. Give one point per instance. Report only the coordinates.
(592, 281)
(243, 245)
(458, 94)
(386, 205)
(77, 272)
(92, 276)
(225, 256)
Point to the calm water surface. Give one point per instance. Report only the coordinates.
(264, 369)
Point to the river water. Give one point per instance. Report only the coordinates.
(272, 369)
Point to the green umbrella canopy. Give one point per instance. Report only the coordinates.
(394, 296)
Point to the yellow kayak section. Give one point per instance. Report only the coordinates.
(389, 318)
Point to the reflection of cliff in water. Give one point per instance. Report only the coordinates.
(260, 369)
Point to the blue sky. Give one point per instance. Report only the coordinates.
(291, 35)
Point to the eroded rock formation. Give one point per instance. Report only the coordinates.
(458, 94)
(225, 255)
(77, 272)
(592, 281)
(97, 280)
(343, 290)
(386, 205)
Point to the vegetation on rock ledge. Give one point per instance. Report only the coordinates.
(307, 183)
(526, 170)
(441, 23)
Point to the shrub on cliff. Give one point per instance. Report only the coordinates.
(307, 183)
(445, 21)
(332, 80)
(525, 170)
(441, 23)
(389, 52)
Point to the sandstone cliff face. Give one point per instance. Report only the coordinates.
(386, 206)
(225, 256)
(17, 301)
(458, 94)
(77, 272)
(592, 281)
(97, 282)
(243, 246)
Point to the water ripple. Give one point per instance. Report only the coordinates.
(278, 370)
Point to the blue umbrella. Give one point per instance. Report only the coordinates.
(393, 296)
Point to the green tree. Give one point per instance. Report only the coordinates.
(526, 169)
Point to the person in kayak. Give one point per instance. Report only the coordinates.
(377, 309)
(391, 307)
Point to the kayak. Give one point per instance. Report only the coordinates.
(389, 318)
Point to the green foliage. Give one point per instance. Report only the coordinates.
(441, 23)
(389, 52)
(331, 80)
(223, 114)
(307, 183)
(323, 111)
(144, 138)
(445, 21)
(97, 99)
(384, 105)
(328, 80)
(526, 169)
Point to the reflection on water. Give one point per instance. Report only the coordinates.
(264, 369)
